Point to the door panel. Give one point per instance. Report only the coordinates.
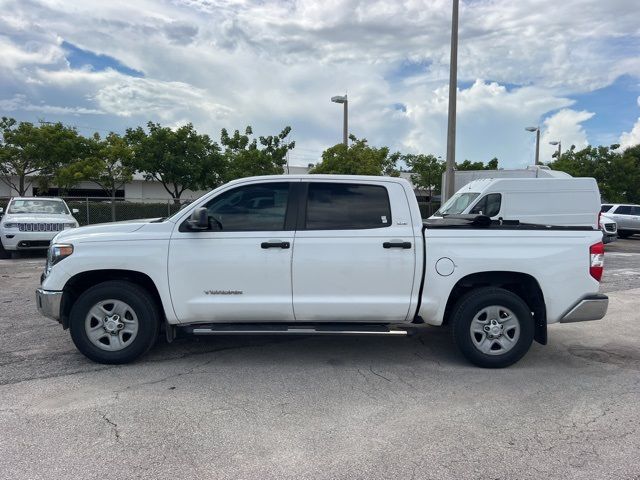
(348, 274)
(235, 276)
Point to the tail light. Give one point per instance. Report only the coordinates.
(596, 266)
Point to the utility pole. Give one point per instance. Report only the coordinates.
(453, 91)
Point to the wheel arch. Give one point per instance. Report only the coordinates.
(81, 282)
(521, 284)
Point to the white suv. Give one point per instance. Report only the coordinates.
(31, 223)
(627, 216)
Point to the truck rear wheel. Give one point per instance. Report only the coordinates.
(114, 322)
(492, 327)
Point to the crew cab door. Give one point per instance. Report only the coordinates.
(240, 269)
(354, 257)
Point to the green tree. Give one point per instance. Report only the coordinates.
(29, 152)
(109, 165)
(179, 159)
(358, 158)
(469, 165)
(426, 172)
(246, 157)
(617, 173)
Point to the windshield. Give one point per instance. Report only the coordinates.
(54, 207)
(457, 204)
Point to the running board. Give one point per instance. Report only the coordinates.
(285, 329)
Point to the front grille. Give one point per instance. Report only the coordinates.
(41, 227)
(610, 227)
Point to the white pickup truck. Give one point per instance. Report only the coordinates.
(319, 254)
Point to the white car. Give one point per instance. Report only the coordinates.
(609, 228)
(30, 223)
(627, 216)
(318, 255)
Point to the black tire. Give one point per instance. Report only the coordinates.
(624, 234)
(140, 301)
(3, 253)
(470, 306)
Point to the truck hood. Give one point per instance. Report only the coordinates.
(102, 231)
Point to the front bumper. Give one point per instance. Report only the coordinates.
(593, 307)
(49, 302)
(14, 240)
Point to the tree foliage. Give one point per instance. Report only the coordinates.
(469, 165)
(245, 156)
(29, 152)
(108, 164)
(426, 171)
(617, 173)
(180, 159)
(358, 158)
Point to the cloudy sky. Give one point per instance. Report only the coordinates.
(571, 66)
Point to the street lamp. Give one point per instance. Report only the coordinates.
(345, 129)
(559, 144)
(537, 130)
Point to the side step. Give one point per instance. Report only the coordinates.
(290, 329)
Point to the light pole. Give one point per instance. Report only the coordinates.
(559, 144)
(453, 90)
(537, 130)
(345, 129)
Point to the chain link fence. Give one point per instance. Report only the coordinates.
(93, 210)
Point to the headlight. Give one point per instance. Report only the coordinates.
(10, 225)
(70, 225)
(57, 252)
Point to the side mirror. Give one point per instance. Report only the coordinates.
(199, 219)
(1, 210)
(75, 210)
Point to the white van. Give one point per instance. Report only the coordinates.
(547, 201)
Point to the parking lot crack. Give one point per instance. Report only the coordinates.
(379, 375)
(113, 425)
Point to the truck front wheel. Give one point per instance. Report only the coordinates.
(492, 327)
(114, 322)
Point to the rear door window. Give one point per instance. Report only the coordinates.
(347, 206)
(488, 205)
(623, 210)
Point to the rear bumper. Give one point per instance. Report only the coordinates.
(593, 307)
(48, 302)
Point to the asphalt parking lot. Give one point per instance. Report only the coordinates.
(322, 407)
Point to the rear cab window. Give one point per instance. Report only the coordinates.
(346, 206)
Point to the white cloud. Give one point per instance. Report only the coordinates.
(228, 63)
(20, 102)
(564, 126)
(629, 139)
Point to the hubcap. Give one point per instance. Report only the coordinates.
(111, 325)
(495, 330)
